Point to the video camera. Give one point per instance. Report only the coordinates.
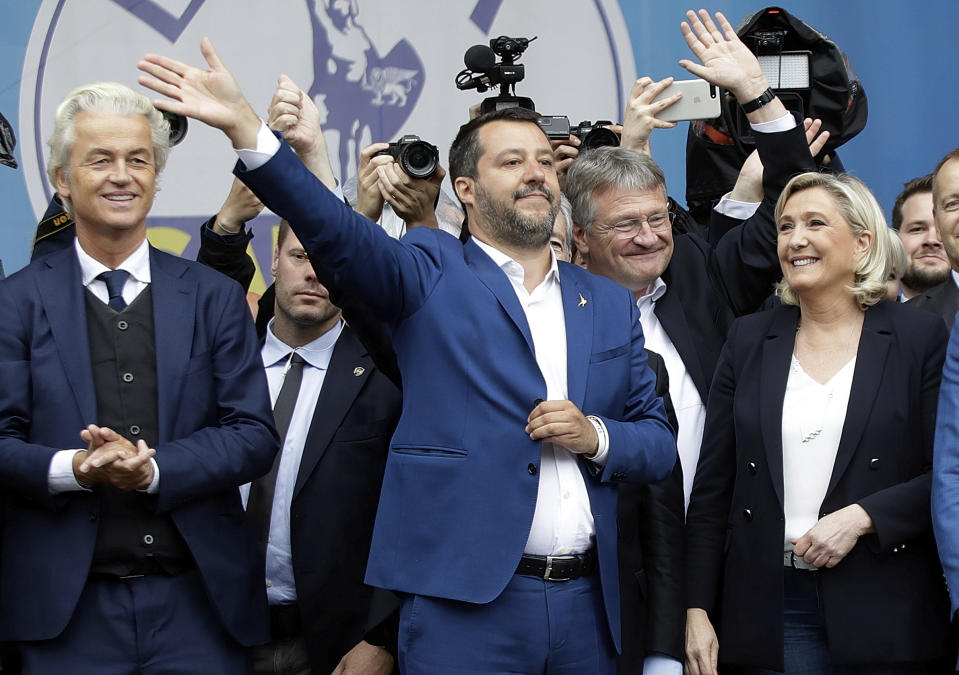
(482, 72)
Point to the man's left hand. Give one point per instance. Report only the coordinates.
(365, 659)
(561, 422)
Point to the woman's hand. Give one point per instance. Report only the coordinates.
(702, 647)
(830, 540)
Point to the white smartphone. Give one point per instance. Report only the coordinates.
(700, 101)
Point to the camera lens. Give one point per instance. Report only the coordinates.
(419, 159)
(599, 137)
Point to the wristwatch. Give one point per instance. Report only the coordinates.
(758, 103)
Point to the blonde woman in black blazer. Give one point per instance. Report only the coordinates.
(809, 541)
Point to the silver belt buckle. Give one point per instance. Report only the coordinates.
(797, 563)
(549, 567)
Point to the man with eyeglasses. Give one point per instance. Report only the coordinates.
(688, 291)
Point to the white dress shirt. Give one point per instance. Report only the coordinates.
(562, 520)
(280, 586)
(60, 477)
(689, 407)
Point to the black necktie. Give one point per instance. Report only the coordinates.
(115, 280)
(259, 506)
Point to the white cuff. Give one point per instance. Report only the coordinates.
(784, 123)
(661, 664)
(735, 208)
(602, 451)
(154, 485)
(267, 145)
(60, 477)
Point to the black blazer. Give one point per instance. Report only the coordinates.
(886, 600)
(335, 498)
(942, 299)
(341, 470)
(651, 583)
(708, 286)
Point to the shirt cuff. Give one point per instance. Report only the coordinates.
(661, 664)
(154, 485)
(267, 145)
(784, 123)
(602, 452)
(60, 477)
(735, 208)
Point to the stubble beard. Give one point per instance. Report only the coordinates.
(506, 224)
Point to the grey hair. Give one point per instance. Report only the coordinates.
(607, 168)
(862, 212)
(567, 210)
(103, 97)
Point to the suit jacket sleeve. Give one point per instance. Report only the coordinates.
(642, 444)
(945, 475)
(396, 278)
(239, 442)
(745, 262)
(899, 512)
(23, 466)
(227, 253)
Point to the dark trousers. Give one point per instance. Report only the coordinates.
(533, 627)
(805, 648)
(151, 625)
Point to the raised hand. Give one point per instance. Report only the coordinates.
(369, 197)
(724, 59)
(640, 118)
(211, 96)
(561, 422)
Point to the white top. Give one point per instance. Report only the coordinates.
(689, 407)
(813, 418)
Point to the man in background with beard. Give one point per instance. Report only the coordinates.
(913, 219)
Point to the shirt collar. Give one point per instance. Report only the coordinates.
(513, 269)
(317, 353)
(659, 290)
(137, 264)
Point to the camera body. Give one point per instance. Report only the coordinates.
(595, 135)
(556, 127)
(417, 158)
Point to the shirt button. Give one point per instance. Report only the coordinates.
(128, 377)
(122, 325)
(134, 430)
(532, 469)
(566, 495)
(148, 539)
(269, 583)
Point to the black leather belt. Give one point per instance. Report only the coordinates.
(558, 567)
(285, 621)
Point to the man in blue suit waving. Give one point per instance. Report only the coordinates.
(526, 395)
(133, 405)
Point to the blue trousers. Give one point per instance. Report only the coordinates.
(534, 627)
(154, 625)
(805, 648)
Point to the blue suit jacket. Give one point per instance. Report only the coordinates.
(945, 475)
(215, 433)
(462, 475)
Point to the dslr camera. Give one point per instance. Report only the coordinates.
(418, 158)
(595, 135)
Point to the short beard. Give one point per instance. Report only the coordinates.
(507, 225)
(921, 280)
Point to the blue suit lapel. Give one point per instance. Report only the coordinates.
(62, 295)
(578, 314)
(174, 314)
(499, 284)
